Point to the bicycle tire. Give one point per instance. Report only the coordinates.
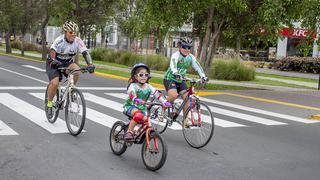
(55, 106)
(162, 147)
(72, 125)
(206, 120)
(113, 139)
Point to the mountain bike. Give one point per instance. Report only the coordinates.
(197, 123)
(154, 149)
(71, 99)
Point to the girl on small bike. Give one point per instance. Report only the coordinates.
(139, 91)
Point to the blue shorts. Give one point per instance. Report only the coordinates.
(129, 111)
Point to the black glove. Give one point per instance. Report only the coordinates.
(177, 76)
(91, 68)
(55, 63)
(204, 79)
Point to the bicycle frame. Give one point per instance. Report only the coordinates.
(192, 98)
(68, 87)
(144, 131)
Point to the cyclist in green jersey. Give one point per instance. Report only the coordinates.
(180, 62)
(139, 91)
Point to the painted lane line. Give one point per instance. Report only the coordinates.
(35, 68)
(6, 130)
(23, 75)
(91, 114)
(116, 106)
(32, 113)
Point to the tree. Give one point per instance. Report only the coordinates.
(10, 16)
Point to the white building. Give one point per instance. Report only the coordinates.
(290, 38)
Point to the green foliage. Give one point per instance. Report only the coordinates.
(299, 64)
(155, 62)
(232, 70)
(27, 46)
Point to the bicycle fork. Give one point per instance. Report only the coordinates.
(156, 150)
(194, 103)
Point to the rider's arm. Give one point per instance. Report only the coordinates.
(157, 94)
(87, 57)
(174, 62)
(196, 66)
(132, 92)
(83, 50)
(53, 54)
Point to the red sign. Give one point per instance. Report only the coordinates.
(297, 33)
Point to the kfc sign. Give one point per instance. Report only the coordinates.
(297, 33)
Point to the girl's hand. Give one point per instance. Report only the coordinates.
(138, 101)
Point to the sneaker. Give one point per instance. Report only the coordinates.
(50, 112)
(128, 136)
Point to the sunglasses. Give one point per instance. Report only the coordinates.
(71, 33)
(185, 47)
(143, 75)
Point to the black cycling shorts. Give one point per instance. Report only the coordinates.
(170, 84)
(54, 72)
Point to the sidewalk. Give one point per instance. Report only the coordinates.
(233, 83)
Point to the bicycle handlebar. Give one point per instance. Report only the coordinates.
(73, 70)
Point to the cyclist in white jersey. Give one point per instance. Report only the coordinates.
(62, 51)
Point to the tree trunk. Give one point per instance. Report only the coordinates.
(8, 44)
(204, 49)
(238, 46)
(199, 47)
(43, 31)
(213, 44)
(148, 43)
(22, 45)
(103, 38)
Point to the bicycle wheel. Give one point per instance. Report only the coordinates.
(155, 157)
(75, 112)
(55, 107)
(200, 133)
(159, 119)
(117, 143)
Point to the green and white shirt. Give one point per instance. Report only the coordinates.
(144, 92)
(180, 64)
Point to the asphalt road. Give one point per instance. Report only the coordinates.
(254, 138)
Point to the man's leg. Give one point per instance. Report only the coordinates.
(53, 86)
(76, 74)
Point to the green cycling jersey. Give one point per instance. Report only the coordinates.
(180, 64)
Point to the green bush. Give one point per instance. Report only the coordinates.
(232, 70)
(155, 62)
(299, 64)
(27, 46)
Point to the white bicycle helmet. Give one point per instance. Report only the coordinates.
(70, 26)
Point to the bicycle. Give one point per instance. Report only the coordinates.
(68, 97)
(154, 149)
(197, 123)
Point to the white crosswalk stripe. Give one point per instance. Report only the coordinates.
(37, 115)
(6, 130)
(32, 113)
(91, 114)
(116, 106)
(269, 113)
(218, 121)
